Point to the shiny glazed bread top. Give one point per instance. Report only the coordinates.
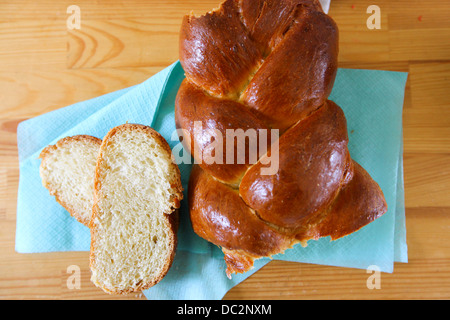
(268, 66)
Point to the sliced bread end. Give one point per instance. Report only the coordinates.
(67, 171)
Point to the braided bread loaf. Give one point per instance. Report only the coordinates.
(265, 65)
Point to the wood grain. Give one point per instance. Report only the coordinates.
(123, 43)
(27, 94)
(44, 66)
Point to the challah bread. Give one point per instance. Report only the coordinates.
(137, 193)
(67, 171)
(268, 65)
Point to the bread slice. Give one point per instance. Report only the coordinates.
(67, 171)
(137, 193)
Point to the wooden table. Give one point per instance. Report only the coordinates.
(44, 66)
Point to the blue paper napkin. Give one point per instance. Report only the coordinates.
(372, 101)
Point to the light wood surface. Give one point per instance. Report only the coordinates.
(44, 66)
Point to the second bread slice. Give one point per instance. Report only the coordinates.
(137, 191)
(67, 171)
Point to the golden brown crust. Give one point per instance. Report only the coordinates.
(46, 152)
(172, 216)
(313, 160)
(269, 64)
(215, 60)
(214, 117)
(359, 202)
(269, 20)
(306, 55)
(219, 215)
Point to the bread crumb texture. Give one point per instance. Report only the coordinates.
(133, 235)
(67, 171)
